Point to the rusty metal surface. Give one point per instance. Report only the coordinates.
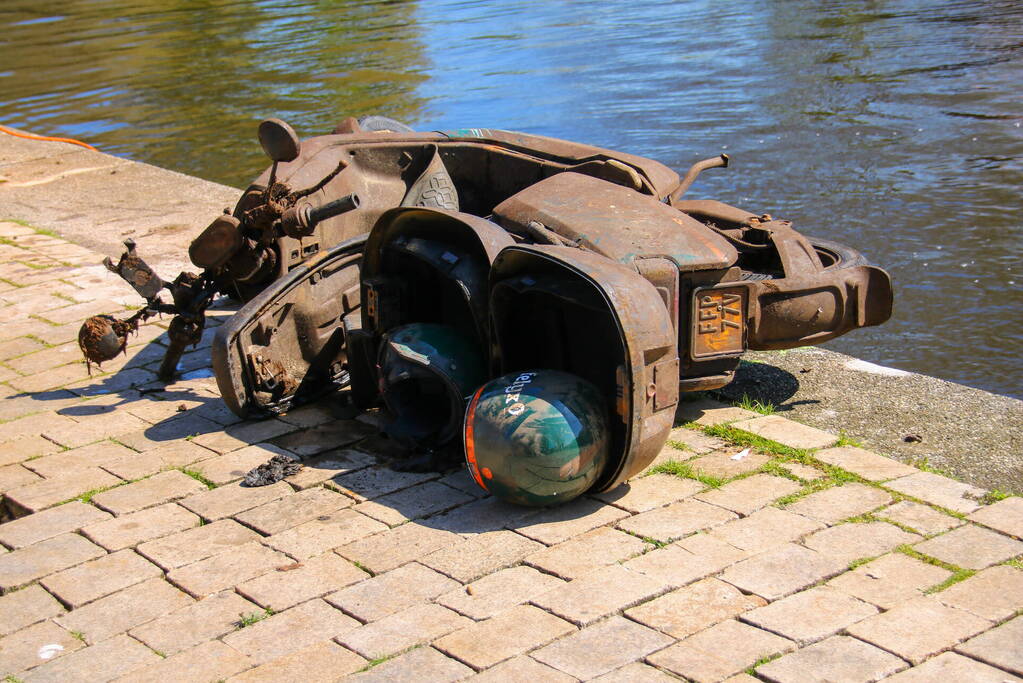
(615, 222)
(135, 272)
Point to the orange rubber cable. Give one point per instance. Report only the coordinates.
(45, 138)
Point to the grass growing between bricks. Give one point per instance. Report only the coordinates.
(755, 405)
(995, 495)
(760, 662)
(873, 516)
(380, 660)
(89, 495)
(253, 617)
(958, 573)
(833, 476)
(860, 562)
(198, 477)
(686, 471)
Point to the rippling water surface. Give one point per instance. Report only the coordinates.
(892, 126)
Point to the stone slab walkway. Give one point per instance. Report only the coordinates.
(756, 548)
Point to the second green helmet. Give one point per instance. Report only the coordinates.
(537, 438)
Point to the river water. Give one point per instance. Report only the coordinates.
(892, 126)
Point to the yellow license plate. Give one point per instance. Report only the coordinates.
(718, 322)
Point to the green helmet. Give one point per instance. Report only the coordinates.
(426, 373)
(537, 438)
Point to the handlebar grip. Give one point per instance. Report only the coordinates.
(334, 208)
(300, 221)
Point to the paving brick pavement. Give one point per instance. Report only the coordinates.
(129, 550)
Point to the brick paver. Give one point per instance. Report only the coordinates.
(637, 672)
(412, 503)
(1005, 516)
(322, 662)
(938, 490)
(599, 593)
(497, 592)
(889, 580)
(750, 494)
(49, 492)
(240, 435)
(688, 610)
(972, 547)
(49, 523)
(376, 481)
(999, 647)
(995, 593)
(389, 549)
(779, 572)
(720, 651)
(26, 607)
(231, 499)
(168, 456)
(131, 529)
(765, 529)
(787, 432)
(811, 615)
(124, 610)
(676, 520)
(481, 554)
(923, 519)
(601, 648)
(706, 411)
(522, 668)
(949, 666)
(899, 629)
(103, 661)
(839, 658)
(186, 547)
(290, 584)
(390, 592)
(233, 466)
(402, 630)
(323, 436)
(687, 560)
(16, 476)
(512, 632)
(870, 466)
(292, 510)
(855, 541)
(35, 645)
(840, 502)
(160, 488)
(24, 447)
(647, 493)
(319, 469)
(210, 661)
(729, 463)
(99, 577)
(291, 630)
(44, 558)
(563, 522)
(204, 620)
(424, 663)
(586, 552)
(324, 533)
(224, 570)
